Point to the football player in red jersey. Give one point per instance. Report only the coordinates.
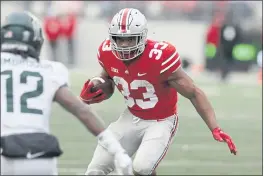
(149, 75)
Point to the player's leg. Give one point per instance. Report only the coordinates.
(71, 51)
(54, 50)
(41, 166)
(6, 166)
(155, 143)
(101, 163)
(124, 129)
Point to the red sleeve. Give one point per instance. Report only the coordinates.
(99, 55)
(104, 47)
(170, 62)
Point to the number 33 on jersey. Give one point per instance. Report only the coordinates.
(143, 83)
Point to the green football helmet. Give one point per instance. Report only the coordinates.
(21, 33)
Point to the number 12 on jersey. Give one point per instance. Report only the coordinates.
(7, 75)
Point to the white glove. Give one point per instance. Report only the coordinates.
(123, 164)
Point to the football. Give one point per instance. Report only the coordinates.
(108, 87)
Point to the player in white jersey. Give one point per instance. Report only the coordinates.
(28, 88)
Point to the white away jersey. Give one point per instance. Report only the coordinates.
(27, 91)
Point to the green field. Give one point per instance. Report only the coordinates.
(194, 151)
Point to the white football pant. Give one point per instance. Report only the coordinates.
(40, 166)
(149, 139)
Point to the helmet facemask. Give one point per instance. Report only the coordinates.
(128, 52)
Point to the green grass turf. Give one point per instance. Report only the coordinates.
(194, 151)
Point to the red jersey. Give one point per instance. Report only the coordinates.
(143, 83)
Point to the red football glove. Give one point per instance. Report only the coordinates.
(220, 136)
(90, 97)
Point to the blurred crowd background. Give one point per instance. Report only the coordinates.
(218, 36)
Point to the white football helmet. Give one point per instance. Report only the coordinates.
(128, 22)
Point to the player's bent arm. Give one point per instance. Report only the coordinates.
(82, 111)
(104, 74)
(186, 87)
